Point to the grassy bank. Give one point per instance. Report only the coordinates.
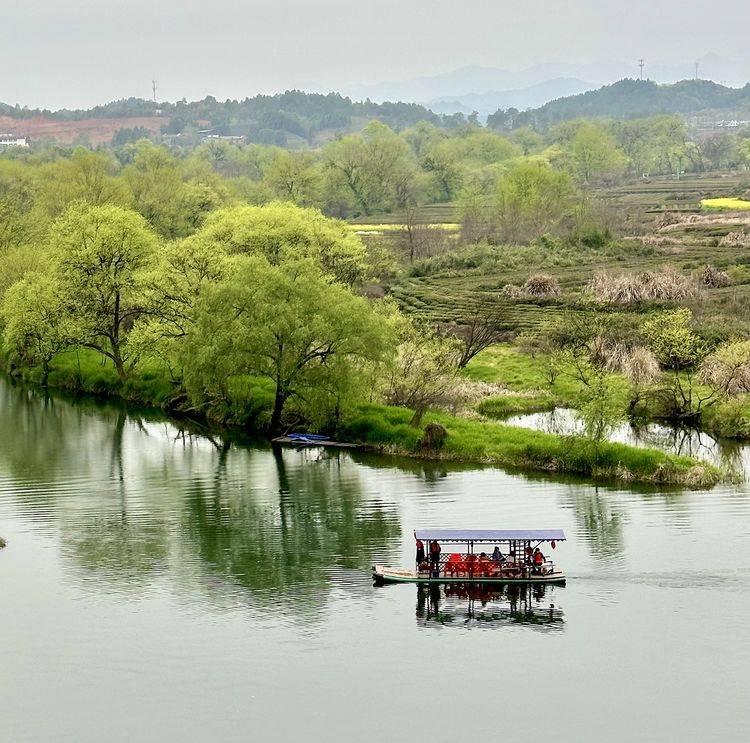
(386, 428)
(531, 391)
(493, 443)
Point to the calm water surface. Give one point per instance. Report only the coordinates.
(163, 586)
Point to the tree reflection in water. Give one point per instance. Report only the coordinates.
(130, 497)
(487, 605)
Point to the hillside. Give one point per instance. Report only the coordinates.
(281, 119)
(630, 98)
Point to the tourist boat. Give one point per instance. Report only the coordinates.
(474, 564)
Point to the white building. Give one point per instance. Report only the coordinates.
(11, 140)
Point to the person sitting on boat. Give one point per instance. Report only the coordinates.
(537, 560)
(497, 556)
(435, 551)
(484, 564)
(420, 552)
(511, 558)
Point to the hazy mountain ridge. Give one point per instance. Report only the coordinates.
(631, 98)
(728, 69)
(523, 98)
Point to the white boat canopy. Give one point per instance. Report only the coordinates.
(490, 535)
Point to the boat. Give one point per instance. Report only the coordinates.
(301, 440)
(519, 564)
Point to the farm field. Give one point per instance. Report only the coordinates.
(664, 226)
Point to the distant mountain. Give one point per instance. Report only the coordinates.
(632, 99)
(728, 69)
(523, 98)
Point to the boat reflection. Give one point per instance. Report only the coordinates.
(465, 605)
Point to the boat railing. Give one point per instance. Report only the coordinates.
(477, 567)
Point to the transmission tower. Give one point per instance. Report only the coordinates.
(640, 64)
(153, 87)
(697, 65)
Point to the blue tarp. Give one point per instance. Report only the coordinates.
(489, 535)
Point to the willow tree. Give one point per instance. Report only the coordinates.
(289, 323)
(36, 325)
(283, 231)
(98, 256)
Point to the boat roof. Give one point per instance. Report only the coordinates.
(490, 535)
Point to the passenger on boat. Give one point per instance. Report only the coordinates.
(420, 552)
(497, 556)
(537, 559)
(511, 558)
(435, 551)
(484, 564)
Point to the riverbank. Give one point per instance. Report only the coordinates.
(386, 429)
(531, 391)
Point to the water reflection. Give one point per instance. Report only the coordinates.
(129, 497)
(458, 605)
(681, 441)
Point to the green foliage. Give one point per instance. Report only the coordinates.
(673, 341)
(282, 231)
(98, 253)
(287, 322)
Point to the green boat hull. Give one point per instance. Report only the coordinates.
(383, 575)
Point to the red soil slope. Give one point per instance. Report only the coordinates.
(97, 130)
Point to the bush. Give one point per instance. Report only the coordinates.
(667, 284)
(713, 277)
(542, 285)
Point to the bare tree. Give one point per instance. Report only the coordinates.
(486, 325)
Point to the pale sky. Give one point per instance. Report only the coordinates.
(77, 53)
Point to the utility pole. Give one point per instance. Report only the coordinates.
(153, 87)
(640, 64)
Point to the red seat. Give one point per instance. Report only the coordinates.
(455, 564)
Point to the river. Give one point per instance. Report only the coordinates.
(165, 585)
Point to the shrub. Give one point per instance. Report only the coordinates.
(713, 277)
(542, 285)
(667, 284)
(738, 239)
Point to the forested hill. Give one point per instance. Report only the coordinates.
(264, 118)
(630, 99)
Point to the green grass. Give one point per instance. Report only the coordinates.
(726, 204)
(387, 428)
(505, 365)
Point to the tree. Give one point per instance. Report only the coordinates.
(727, 369)
(595, 153)
(98, 254)
(679, 350)
(85, 176)
(487, 324)
(532, 199)
(289, 323)
(292, 177)
(423, 371)
(36, 325)
(173, 205)
(371, 167)
(280, 232)
(172, 289)
(527, 139)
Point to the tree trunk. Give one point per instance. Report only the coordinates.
(278, 409)
(416, 419)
